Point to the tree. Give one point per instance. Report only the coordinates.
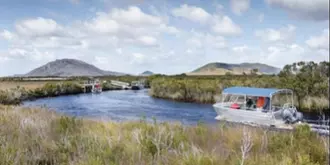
(303, 77)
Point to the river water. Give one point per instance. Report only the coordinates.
(124, 105)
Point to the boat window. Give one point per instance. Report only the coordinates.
(241, 99)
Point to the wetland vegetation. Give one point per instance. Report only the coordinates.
(308, 80)
(40, 136)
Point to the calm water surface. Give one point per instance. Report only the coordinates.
(127, 105)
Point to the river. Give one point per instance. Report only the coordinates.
(124, 105)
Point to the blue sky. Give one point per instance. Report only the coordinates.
(164, 36)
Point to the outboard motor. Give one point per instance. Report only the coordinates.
(290, 115)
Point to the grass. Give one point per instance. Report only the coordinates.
(35, 90)
(40, 136)
(23, 84)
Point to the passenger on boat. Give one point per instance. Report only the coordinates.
(260, 102)
(249, 102)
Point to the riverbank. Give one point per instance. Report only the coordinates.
(39, 136)
(14, 92)
(208, 90)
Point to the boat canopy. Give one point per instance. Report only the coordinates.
(250, 91)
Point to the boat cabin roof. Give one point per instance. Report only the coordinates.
(250, 91)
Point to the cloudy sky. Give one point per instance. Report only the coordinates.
(167, 36)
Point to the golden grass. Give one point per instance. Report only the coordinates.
(312, 103)
(38, 136)
(26, 84)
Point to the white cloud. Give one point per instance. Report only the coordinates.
(135, 17)
(240, 49)
(16, 52)
(38, 27)
(305, 9)
(103, 24)
(26, 53)
(138, 55)
(3, 59)
(239, 6)
(129, 24)
(220, 24)
(217, 42)
(169, 29)
(189, 51)
(205, 40)
(119, 51)
(137, 58)
(195, 42)
(225, 26)
(101, 60)
(7, 35)
(147, 40)
(286, 34)
(291, 53)
(192, 13)
(319, 42)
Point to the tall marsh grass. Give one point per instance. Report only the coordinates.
(18, 94)
(39, 136)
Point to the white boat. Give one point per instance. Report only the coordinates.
(261, 106)
(137, 85)
(97, 87)
(96, 90)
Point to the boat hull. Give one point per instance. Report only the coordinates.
(137, 87)
(245, 116)
(97, 90)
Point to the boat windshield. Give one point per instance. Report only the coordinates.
(281, 99)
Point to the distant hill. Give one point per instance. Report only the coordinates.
(67, 68)
(218, 68)
(146, 73)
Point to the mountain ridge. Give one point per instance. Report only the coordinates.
(147, 73)
(221, 68)
(68, 67)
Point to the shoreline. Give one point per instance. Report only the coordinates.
(15, 96)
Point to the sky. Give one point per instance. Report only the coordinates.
(163, 36)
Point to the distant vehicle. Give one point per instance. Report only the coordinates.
(261, 106)
(137, 85)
